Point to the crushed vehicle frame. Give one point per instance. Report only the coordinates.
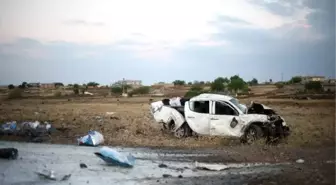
(220, 115)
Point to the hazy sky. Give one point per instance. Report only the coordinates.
(76, 41)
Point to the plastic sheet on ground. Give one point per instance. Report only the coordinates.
(93, 138)
(113, 157)
(50, 175)
(210, 167)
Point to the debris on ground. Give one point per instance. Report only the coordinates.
(66, 177)
(210, 167)
(166, 176)
(9, 153)
(88, 93)
(93, 138)
(82, 165)
(113, 157)
(114, 117)
(34, 130)
(163, 166)
(110, 113)
(300, 161)
(50, 175)
(47, 174)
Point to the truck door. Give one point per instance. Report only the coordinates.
(224, 120)
(197, 115)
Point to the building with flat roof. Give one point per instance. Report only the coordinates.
(306, 79)
(129, 82)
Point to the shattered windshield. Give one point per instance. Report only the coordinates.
(237, 104)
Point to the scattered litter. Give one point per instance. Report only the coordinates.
(163, 166)
(110, 113)
(113, 157)
(33, 131)
(300, 161)
(82, 165)
(88, 93)
(50, 175)
(93, 138)
(8, 153)
(47, 174)
(166, 176)
(211, 167)
(66, 177)
(114, 117)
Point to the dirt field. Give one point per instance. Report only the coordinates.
(312, 121)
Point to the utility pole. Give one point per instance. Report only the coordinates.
(281, 77)
(123, 85)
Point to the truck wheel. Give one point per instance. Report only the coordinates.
(253, 133)
(183, 131)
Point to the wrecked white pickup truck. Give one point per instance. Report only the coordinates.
(219, 115)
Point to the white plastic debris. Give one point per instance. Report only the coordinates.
(211, 167)
(47, 174)
(175, 102)
(93, 138)
(34, 124)
(50, 175)
(300, 161)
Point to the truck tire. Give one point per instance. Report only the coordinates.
(183, 131)
(253, 133)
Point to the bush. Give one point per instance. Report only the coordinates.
(196, 88)
(279, 85)
(314, 86)
(116, 90)
(141, 90)
(192, 93)
(11, 86)
(76, 90)
(15, 93)
(58, 94)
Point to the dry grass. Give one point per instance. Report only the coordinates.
(312, 122)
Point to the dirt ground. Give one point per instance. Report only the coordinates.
(312, 122)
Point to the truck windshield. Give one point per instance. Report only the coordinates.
(237, 104)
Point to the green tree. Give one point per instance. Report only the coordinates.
(190, 83)
(76, 88)
(11, 86)
(83, 88)
(179, 82)
(219, 84)
(94, 84)
(237, 83)
(23, 85)
(116, 90)
(254, 81)
(58, 84)
(295, 79)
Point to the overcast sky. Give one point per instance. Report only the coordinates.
(77, 41)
